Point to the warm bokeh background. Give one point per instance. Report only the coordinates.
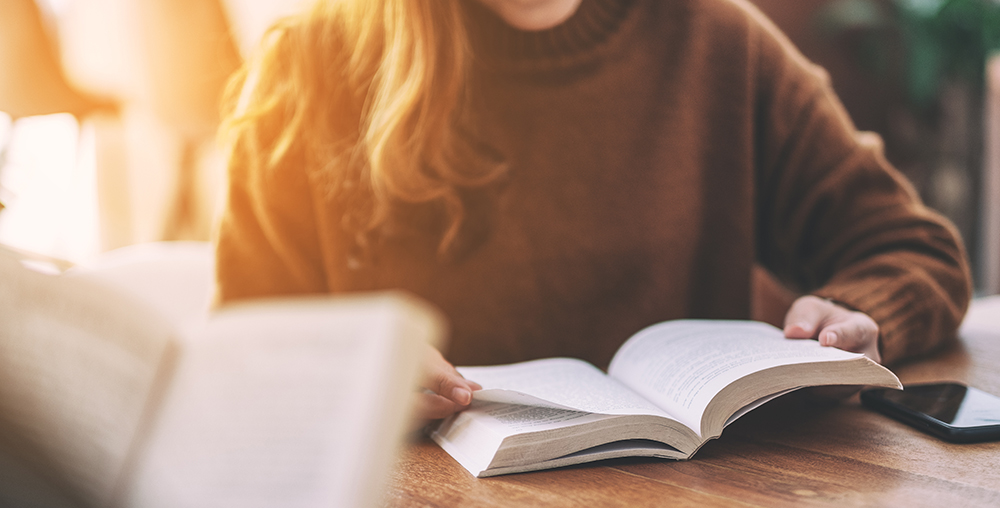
(108, 110)
(133, 157)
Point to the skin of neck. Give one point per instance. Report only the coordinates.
(532, 15)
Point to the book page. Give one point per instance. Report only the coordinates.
(78, 362)
(560, 383)
(474, 436)
(295, 403)
(681, 365)
(513, 419)
(176, 279)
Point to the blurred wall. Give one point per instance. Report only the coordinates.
(251, 18)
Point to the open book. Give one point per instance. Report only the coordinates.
(105, 402)
(669, 389)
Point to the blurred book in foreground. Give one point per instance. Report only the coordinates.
(106, 402)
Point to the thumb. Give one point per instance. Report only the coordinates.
(857, 333)
(441, 378)
(805, 318)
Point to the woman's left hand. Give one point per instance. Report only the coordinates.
(811, 317)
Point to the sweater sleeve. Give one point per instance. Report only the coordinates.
(267, 243)
(837, 220)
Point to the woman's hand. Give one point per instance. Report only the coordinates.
(811, 317)
(445, 390)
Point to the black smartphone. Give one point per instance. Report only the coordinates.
(951, 411)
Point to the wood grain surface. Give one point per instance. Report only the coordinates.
(799, 450)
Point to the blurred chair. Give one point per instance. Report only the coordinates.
(164, 63)
(167, 61)
(190, 56)
(32, 81)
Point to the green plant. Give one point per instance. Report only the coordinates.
(925, 42)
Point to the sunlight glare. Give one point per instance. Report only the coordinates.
(49, 188)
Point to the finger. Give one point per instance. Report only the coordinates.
(857, 333)
(441, 378)
(805, 318)
(851, 334)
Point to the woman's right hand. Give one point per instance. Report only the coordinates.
(445, 390)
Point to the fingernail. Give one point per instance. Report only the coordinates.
(461, 396)
(831, 338)
(805, 327)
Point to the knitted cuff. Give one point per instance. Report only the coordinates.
(895, 307)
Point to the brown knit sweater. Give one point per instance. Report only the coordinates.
(657, 150)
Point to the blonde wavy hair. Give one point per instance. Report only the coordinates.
(371, 92)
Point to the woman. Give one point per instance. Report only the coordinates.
(557, 174)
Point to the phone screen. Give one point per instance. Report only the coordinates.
(950, 410)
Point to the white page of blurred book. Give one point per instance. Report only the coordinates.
(297, 402)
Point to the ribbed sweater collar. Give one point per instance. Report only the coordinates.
(500, 45)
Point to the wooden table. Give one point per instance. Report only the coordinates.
(794, 451)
